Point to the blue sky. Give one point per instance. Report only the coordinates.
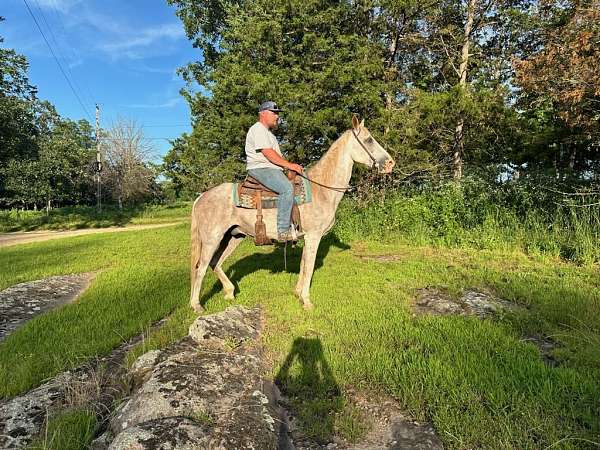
(121, 54)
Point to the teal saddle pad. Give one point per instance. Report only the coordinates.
(247, 200)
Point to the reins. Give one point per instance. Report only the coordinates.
(349, 188)
(333, 188)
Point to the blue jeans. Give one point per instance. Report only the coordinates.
(275, 180)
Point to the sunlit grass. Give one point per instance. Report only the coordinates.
(479, 382)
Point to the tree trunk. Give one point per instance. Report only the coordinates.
(459, 139)
(48, 207)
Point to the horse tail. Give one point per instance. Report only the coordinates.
(196, 245)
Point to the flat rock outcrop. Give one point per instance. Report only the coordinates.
(22, 302)
(22, 417)
(207, 391)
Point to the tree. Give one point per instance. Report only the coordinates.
(127, 172)
(560, 85)
(60, 172)
(313, 57)
(18, 108)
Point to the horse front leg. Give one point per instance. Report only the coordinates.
(311, 245)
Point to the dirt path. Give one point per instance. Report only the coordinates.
(7, 239)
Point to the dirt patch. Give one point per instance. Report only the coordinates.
(390, 428)
(24, 301)
(8, 239)
(382, 258)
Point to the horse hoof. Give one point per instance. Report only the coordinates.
(229, 296)
(307, 305)
(198, 309)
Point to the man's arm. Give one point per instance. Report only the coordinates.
(280, 161)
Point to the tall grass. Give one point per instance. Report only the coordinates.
(479, 216)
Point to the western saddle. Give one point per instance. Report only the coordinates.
(253, 194)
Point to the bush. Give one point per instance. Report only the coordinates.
(477, 215)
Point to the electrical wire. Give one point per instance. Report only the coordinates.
(58, 62)
(83, 92)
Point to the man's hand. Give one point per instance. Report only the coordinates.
(280, 161)
(296, 168)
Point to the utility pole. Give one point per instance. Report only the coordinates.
(98, 167)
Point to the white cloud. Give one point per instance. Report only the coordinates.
(64, 6)
(143, 39)
(76, 63)
(168, 104)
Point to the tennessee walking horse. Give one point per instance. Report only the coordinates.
(218, 226)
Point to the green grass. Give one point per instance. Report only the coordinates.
(478, 382)
(70, 430)
(72, 218)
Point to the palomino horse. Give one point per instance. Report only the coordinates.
(218, 226)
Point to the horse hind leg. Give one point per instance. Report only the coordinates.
(207, 251)
(228, 245)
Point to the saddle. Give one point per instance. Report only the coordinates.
(252, 194)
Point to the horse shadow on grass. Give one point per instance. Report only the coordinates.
(310, 389)
(275, 261)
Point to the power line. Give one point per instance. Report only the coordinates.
(58, 49)
(58, 62)
(73, 51)
(104, 138)
(158, 126)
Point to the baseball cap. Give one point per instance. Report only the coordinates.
(269, 106)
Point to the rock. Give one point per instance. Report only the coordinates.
(141, 368)
(21, 417)
(22, 302)
(472, 302)
(102, 442)
(173, 433)
(230, 328)
(215, 389)
(435, 302)
(484, 305)
(405, 434)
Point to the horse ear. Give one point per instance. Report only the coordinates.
(355, 123)
(362, 123)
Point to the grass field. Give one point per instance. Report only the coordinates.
(479, 382)
(79, 217)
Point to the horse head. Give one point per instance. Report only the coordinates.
(366, 150)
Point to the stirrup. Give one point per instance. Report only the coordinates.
(286, 236)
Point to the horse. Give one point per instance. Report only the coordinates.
(218, 226)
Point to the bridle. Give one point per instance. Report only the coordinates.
(349, 188)
(364, 147)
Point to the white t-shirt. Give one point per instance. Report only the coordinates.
(260, 137)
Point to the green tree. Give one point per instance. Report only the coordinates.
(17, 107)
(60, 172)
(313, 57)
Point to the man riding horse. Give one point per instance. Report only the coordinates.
(265, 163)
(219, 225)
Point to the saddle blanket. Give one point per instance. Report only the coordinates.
(246, 200)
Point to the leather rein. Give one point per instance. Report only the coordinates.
(349, 188)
